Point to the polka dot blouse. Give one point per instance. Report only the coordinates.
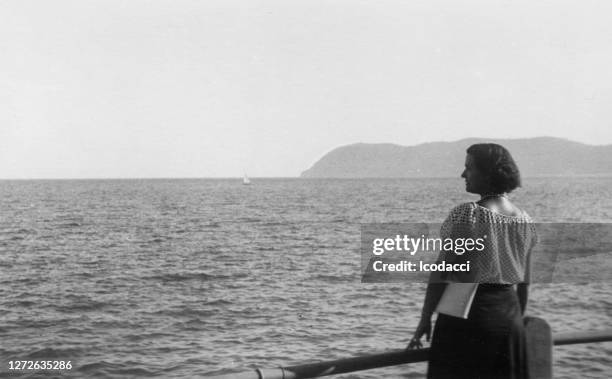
(508, 242)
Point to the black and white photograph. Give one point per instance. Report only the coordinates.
(269, 189)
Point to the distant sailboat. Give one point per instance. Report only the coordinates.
(246, 180)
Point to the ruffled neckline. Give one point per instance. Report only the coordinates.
(522, 216)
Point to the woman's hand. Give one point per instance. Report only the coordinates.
(423, 328)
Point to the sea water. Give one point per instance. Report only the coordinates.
(180, 278)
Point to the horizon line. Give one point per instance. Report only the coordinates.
(603, 175)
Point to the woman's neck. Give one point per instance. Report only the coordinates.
(486, 196)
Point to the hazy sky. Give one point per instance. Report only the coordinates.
(216, 88)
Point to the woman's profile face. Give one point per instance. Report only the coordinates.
(475, 182)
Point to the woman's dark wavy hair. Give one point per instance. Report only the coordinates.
(497, 165)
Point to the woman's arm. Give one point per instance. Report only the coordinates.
(435, 286)
(522, 290)
(432, 297)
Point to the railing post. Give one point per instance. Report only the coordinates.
(539, 348)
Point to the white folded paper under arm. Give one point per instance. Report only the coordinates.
(457, 299)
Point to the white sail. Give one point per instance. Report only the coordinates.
(246, 180)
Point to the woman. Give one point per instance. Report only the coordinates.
(490, 342)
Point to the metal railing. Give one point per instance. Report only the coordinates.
(392, 358)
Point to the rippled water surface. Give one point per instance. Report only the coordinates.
(180, 278)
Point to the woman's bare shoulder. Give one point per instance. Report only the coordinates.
(503, 207)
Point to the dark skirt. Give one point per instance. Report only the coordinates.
(490, 343)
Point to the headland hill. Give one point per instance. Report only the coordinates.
(536, 157)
